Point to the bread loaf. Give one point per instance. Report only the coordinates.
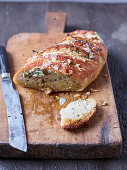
(77, 113)
(70, 65)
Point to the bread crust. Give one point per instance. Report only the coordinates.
(81, 54)
(78, 123)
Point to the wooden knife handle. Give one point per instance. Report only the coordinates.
(4, 63)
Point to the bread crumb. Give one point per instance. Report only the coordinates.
(62, 101)
(21, 55)
(47, 90)
(105, 75)
(83, 97)
(88, 93)
(103, 103)
(57, 97)
(94, 90)
(77, 95)
(52, 99)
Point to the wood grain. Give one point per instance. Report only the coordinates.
(46, 139)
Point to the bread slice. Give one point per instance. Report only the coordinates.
(77, 113)
(71, 65)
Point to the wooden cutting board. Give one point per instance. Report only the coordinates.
(100, 137)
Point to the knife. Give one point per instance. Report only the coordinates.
(17, 133)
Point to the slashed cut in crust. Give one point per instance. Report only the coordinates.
(70, 65)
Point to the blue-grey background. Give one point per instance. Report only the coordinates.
(110, 20)
(90, 1)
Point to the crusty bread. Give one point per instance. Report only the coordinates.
(76, 113)
(70, 65)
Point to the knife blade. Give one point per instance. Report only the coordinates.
(17, 133)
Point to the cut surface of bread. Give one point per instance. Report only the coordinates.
(71, 65)
(76, 113)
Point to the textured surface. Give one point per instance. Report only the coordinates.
(41, 112)
(79, 58)
(9, 14)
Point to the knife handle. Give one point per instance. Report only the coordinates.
(4, 63)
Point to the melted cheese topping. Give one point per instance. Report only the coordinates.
(94, 36)
(86, 48)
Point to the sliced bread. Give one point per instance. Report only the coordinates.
(76, 113)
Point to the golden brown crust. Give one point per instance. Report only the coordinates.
(78, 123)
(81, 54)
